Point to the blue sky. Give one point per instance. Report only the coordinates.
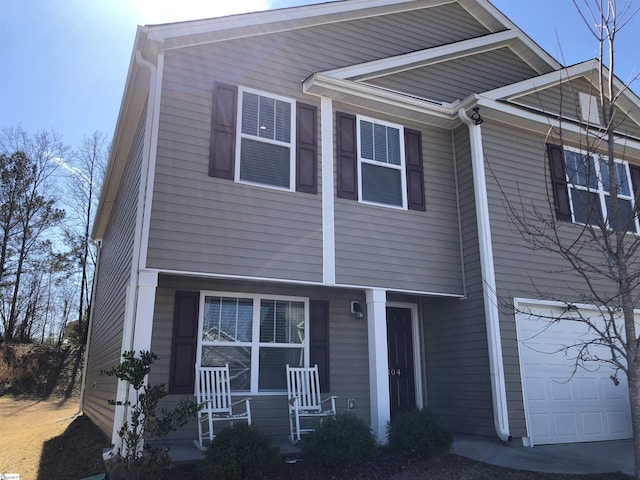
(64, 62)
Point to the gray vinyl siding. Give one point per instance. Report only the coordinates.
(404, 249)
(457, 364)
(517, 162)
(349, 373)
(457, 79)
(113, 276)
(204, 224)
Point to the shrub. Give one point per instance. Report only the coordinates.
(145, 421)
(239, 453)
(340, 442)
(418, 434)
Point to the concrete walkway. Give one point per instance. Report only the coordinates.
(581, 458)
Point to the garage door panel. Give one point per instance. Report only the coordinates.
(563, 404)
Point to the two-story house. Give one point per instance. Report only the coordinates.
(273, 174)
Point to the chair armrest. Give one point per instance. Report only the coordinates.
(240, 401)
(331, 399)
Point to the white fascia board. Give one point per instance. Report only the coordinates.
(543, 81)
(425, 57)
(472, 7)
(268, 20)
(544, 120)
(321, 81)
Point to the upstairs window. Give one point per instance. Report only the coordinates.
(263, 139)
(381, 163)
(584, 179)
(265, 151)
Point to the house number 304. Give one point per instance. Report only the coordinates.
(394, 371)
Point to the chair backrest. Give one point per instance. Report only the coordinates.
(213, 387)
(304, 384)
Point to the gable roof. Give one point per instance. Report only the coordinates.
(152, 40)
(586, 75)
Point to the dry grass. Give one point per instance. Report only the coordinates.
(30, 434)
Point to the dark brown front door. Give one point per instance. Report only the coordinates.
(402, 387)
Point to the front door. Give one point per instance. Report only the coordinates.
(402, 387)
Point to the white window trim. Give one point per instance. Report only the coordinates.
(291, 145)
(600, 190)
(255, 334)
(401, 167)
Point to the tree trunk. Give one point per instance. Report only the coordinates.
(634, 400)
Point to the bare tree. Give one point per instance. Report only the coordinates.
(599, 249)
(85, 174)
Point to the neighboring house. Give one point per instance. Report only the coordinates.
(272, 168)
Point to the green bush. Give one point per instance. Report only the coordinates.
(239, 453)
(418, 434)
(340, 442)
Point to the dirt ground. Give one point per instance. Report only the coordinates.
(28, 433)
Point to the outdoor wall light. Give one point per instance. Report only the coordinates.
(356, 309)
(475, 116)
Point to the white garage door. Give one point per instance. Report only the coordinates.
(562, 406)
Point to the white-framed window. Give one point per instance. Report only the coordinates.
(381, 163)
(257, 335)
(589, 189)
(265, 144)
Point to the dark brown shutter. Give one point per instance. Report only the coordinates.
(347, 156)
(634, 170)
(319, 340)
(415, 171)
(559, 182)
(223, 131)
(306, 149)
(184, 343)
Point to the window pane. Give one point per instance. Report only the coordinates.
(266, 126)
(264, 163)
(626, 214)
(283, 121)
(393, 139)
(381, 184)
(281, 321)
(239, 360)
(250, 114)
(380, 140)
(366, 140)
(586, 207)
(211, 322)
(581, 169)
(227, 319)
(273, 362)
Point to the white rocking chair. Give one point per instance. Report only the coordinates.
(303, 387)
(213, 394)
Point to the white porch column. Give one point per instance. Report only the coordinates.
(146, 298)
(378, 362)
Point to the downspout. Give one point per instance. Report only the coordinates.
(490, 297)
